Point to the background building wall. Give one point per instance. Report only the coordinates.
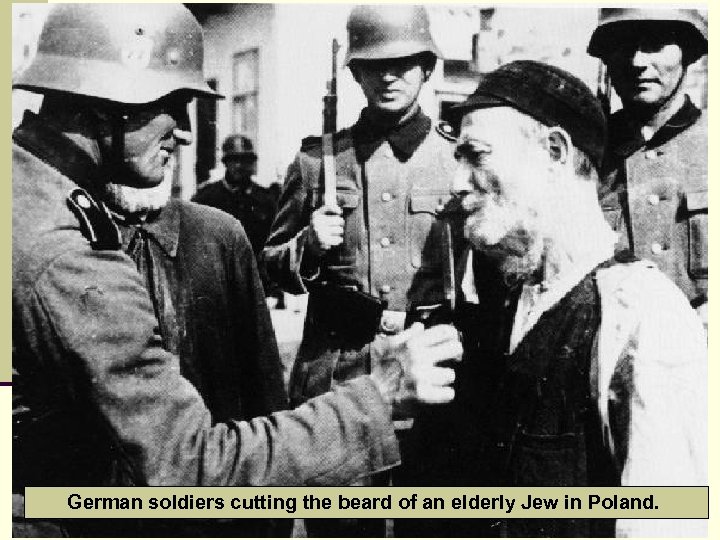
(244, 27)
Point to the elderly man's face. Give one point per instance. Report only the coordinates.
(646, 70)
(500, 180)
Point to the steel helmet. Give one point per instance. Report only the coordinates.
(381, 31)
(688, 26)
(127, 53)
(237, 145)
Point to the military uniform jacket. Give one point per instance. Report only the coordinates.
(254, 206)
(200, 273)
(199, 270)
(389, 186)
(98, 401)
(654, 194)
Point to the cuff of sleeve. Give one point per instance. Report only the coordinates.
(383, 446)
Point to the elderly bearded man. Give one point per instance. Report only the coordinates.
(590, 370)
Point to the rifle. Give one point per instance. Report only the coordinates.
(329, 127)
(349, 312)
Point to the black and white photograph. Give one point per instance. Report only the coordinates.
(381, 245)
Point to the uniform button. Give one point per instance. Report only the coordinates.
(385, 289)
(653, 199)
(651, 154)
(656, 248)
(83, 201)
(385, 241)
(386, 197)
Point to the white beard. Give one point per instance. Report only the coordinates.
(131, 200)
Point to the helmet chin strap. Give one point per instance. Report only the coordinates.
(110, 120)
(677, 89)
(118, 122)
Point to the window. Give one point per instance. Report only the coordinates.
(245, 93)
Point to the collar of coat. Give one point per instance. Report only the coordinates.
(626, 139)
(404, 139)
(41, 138)
(163, 226)
(44, 140)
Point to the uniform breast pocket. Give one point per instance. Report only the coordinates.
(697, 206)
(424, 230)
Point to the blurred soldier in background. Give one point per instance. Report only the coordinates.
(99, 351)
(367, 256)
(240, 196)
(654, 180)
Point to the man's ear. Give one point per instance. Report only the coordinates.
(559, 145)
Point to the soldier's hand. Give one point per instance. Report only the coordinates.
(326, 229)
(407, 366)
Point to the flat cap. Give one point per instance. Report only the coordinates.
(549, 94)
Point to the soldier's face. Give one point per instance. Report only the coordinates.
(240, 169)
(391, 85)
(152, 133)
(646, 71)
(499, 180)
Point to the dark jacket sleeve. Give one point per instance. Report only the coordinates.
(93, 306)
(284, 255)
(263, 384)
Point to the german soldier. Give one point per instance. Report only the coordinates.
(367, 257)
(98, 399)
(238, 194)
(654, 180)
